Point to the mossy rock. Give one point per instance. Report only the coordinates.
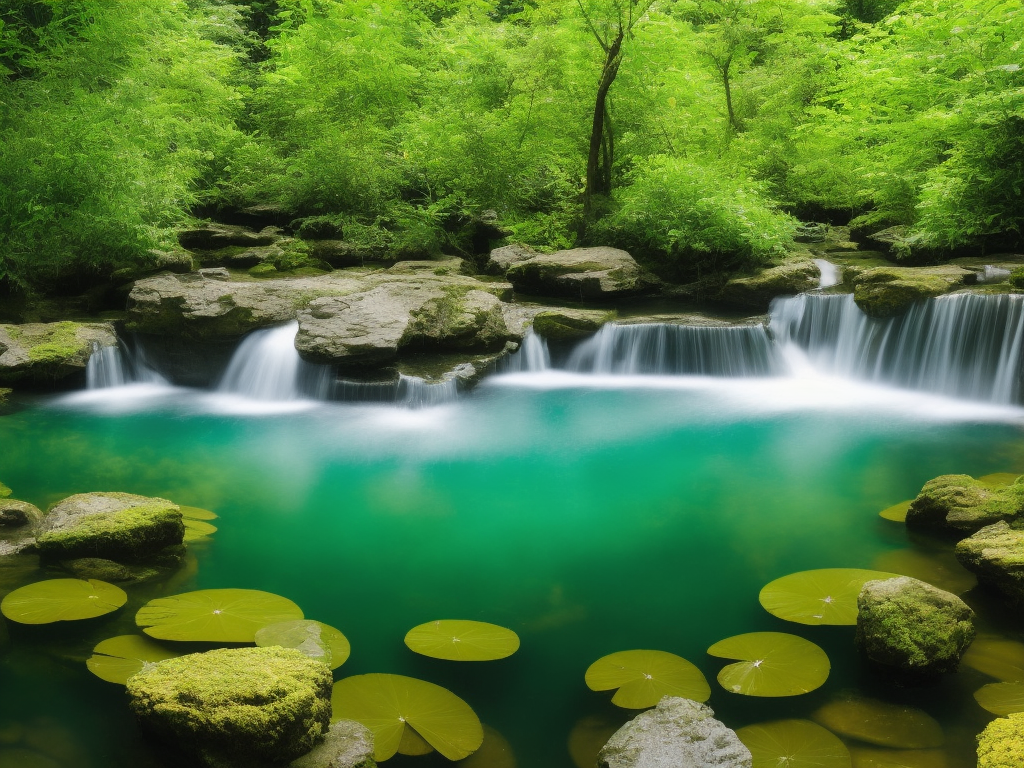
(19, 524)
(995, 554)
(889, 291)
(1001, 744)
(758, 290)
(112, 526)
(237, 707)
(563, 323)
(107, 570)
(961, 505)
(4, 394)
(42, 353)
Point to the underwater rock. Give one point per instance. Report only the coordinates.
(564, 323)
(19, 523)
(758, 291)
(1001, 744)
(348, 745)
(107, 570)
(678, 733)
(913, 629)
(995, 554)
(114, 526)
(43, 353)
(210, 237)
(581, 273)
(888, 291)
(238, 707)
(961, 505)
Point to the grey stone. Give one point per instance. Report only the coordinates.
(889, 291)
(348, 745)
(580, 273)
(565, 323)
(758, 290)
(43, 353)
(210, 237)
(19, 523)
(215, 273)
(995, 554)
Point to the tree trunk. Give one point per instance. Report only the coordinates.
(594, 183)
(733, 125)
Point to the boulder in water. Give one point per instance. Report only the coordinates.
(19, 523)
(236, 707)
(758, 291)
(912, 629)
(43, 353)
(889, 291)
(564, 323)
(1001, 744)
(995, 554)
(348, 745)
(580, 273)
(961, 505)
(678, 733)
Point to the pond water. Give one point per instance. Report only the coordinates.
(589, 514)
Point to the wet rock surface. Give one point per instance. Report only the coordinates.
(44, 353)
(757, 292)
(995, 554)
(960, 505)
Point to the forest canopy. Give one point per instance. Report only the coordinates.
(694, 133)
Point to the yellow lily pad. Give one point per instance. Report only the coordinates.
(315, 639)
(118, 658)
(897, 512)
(865, 757)
(823, 596)
(643, 677)
(462, 640)
(940, 569)
(413, 744)
(998, 479)
(771, 664)
(794, 744)
(215, 615)
(4, 491)
(881, 723)
(998, 658)
(197, 529)
(495, 752)
(1001, 698)
(389, 705)
(196, 513)
(45, 602)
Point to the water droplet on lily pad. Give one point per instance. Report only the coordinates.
(644, 677)
(45, 602)
(197, 529)
(462, 640)
(195, 513)
(823, 596)
(999, 479)
(316, 640)
(771, 664)
(996, 657)
(118, 658)
(389, 704)
(215, 615)
(864, 757)
(495, 752)
(1001, 698)
(897, 512)
(794, 744)
(940, 569)
(880, 723)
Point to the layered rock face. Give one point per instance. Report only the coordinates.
(579, 273)
(758, 291)
(42, 353)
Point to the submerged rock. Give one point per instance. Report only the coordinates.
(758, 291)
(43, 353)
(911, 628)
(107, 570)
(959, 504)
(581, 273)
(19, 523)
(995, 554)
(237, 707)
(888, 291)
(1001, 744)
(563, 323)
(348, 745)
(114, 526)
(678, 733)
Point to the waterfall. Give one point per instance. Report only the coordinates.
(830, 273)
(532, 356)
(266, 366)
(411, 391)
(962, 345)
(994, 274)
(116, 366)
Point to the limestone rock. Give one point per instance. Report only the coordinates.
(912, 628)
(564, 323)
(501, 259)
(887, 240)
(239, 707)
(811, 232)
(889, 291)
(42, 353)
(581, 273)
(960, 504)
(678, 733)
(1001, 744)
(19, 523)
(114, 526)
(340, 254)
(209, 237)
(348, 745)
(995, 554)
(758, 291)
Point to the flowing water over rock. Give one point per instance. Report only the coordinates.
(830, 273)
(118, 366)
(266, 367)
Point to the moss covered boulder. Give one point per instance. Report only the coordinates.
(348, 745)
(44, 353)
(19, 524)
(995, 554)
(1001, 744)
(889, 291)
(564, 323)
(758, 291)
(912, 629)
(113, 526)
(579, 273)
(961, 505)
(239, 707)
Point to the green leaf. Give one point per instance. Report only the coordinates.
(118, 658)
(897, 512)
(461, 640)
(644, 677)
(316, 640)
(215, 615)
(998, 658)
(195, 513)
(880, 723)
(589, 735)
(197, 529)
(391, 704)
(998, 479)
(62, 600)
(824, 596)
(5, 491)
(866, 757)
(941, 569)
(495, 752)
(794, 744)
(1001, 698)
(771, 664)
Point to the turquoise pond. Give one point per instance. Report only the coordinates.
(590, 519)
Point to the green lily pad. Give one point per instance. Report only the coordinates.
(316, 640)
(880, 723)
(495, 752)
(118, 658)
(823, 596)
(1001, 698)
(215, 615)
(460, 640)
(771, 664)
(865, 757)
(413, 744)
(45, 602)
(197, 529)
(195, 513)
(589, 735)
(998, 658)
(5, 491)
(897, 512)
(998, 479)
(643, 677)
(940, 569)
(389, 705)
(794, 744)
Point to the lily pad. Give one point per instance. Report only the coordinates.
(794, 744)
(45, 602)
(316, 640)
(215, 615)
(823, 596)
(389, 705)
(118, 658)
(197, 529)
(771, 664)
(999, 479)
(1001, 698)
(195, 513)
(880, 723)
(413, 744)
(495, 752)
(460, 640)
(589, 735)
(5, 491)
(864, 757)
(998, 658)
(897, 512)
(940, 569)
(643, 677)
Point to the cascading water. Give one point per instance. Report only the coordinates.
(266, 366)
(532, 356)
(830, 273)
(116, 366)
